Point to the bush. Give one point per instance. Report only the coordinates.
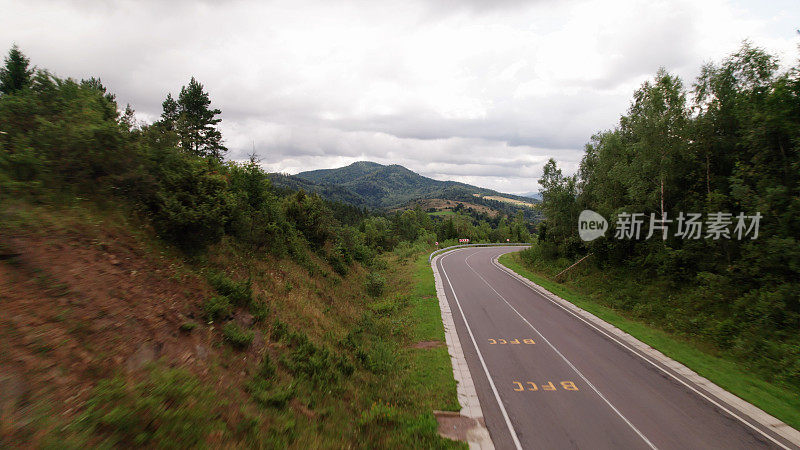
(217, 308)
(381, 414)
(259, 310)
(382, 357)
(170, 409)
(267, 368)
(375, 284)
(269, 395)
(238, 292)
(191, 206)
(188, 326)
(236, 336)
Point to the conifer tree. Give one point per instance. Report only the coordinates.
(196, 122)
(15, 73)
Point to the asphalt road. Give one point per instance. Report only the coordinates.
(546, 379)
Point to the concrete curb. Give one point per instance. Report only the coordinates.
(732, 402)
(478, 437)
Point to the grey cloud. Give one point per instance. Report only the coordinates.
(471, 90)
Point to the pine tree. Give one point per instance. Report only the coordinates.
(169, 117)
(15, 74)
(196, 122)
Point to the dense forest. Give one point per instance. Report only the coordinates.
(67, 137)
(729, 143)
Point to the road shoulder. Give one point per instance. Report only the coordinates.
(479, 437)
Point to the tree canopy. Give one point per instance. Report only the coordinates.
(16, 73)
(194, 121)
(733, 149)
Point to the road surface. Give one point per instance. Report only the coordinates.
(547, 379)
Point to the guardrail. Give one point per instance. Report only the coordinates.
(506, 244)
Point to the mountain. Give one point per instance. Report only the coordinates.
(534, 195)
(393, 186)
(328, 191)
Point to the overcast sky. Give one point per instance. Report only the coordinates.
(451, 89)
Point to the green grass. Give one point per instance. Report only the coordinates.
(432, 374)
(236, 336)
(442, 213)
(778, 401)
(170, 409)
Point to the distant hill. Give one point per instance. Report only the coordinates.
(533, 195)
(325, 190)
(392, 186)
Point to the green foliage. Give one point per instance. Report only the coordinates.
(266, 369)
(15, 74)
(378, 186)
(318, 363)
(269, 394)
(375, 284)
(194, 122)
(379, 413)
(168, 410)
(382, 357)
(217, 308)
(236, 336)
(259, 310)
(191, 206)
(188, 326)
(736, 148)
(238, 293)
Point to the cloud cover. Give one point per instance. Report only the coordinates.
(480, 92)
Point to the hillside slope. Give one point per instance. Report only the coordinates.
(391, 186)
(111, 338)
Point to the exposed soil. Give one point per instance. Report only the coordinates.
(453, 425)
(76, 309)
(428, 344)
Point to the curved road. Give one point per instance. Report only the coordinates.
(547, 379)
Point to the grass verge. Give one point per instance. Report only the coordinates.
(778, 401)
(432, 373)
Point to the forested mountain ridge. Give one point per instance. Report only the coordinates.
(391, 186)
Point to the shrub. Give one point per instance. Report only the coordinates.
(217, 308)
(267, 368)
(381, 358)
(279, 330)
(170, 409)
(259, 310)
(191, 205)
(381, 414)
(236, 336)
(238, 292)
(269, 395)
(375, 284)
(188, 326)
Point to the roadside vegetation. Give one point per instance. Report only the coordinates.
(728, 308)
(155, 294)
(597, 292)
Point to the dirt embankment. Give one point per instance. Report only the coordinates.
(77, 309)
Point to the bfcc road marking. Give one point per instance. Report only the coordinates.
(580, 374)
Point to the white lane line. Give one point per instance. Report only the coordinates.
(480, 357)
(635, 352)
(580, 374)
